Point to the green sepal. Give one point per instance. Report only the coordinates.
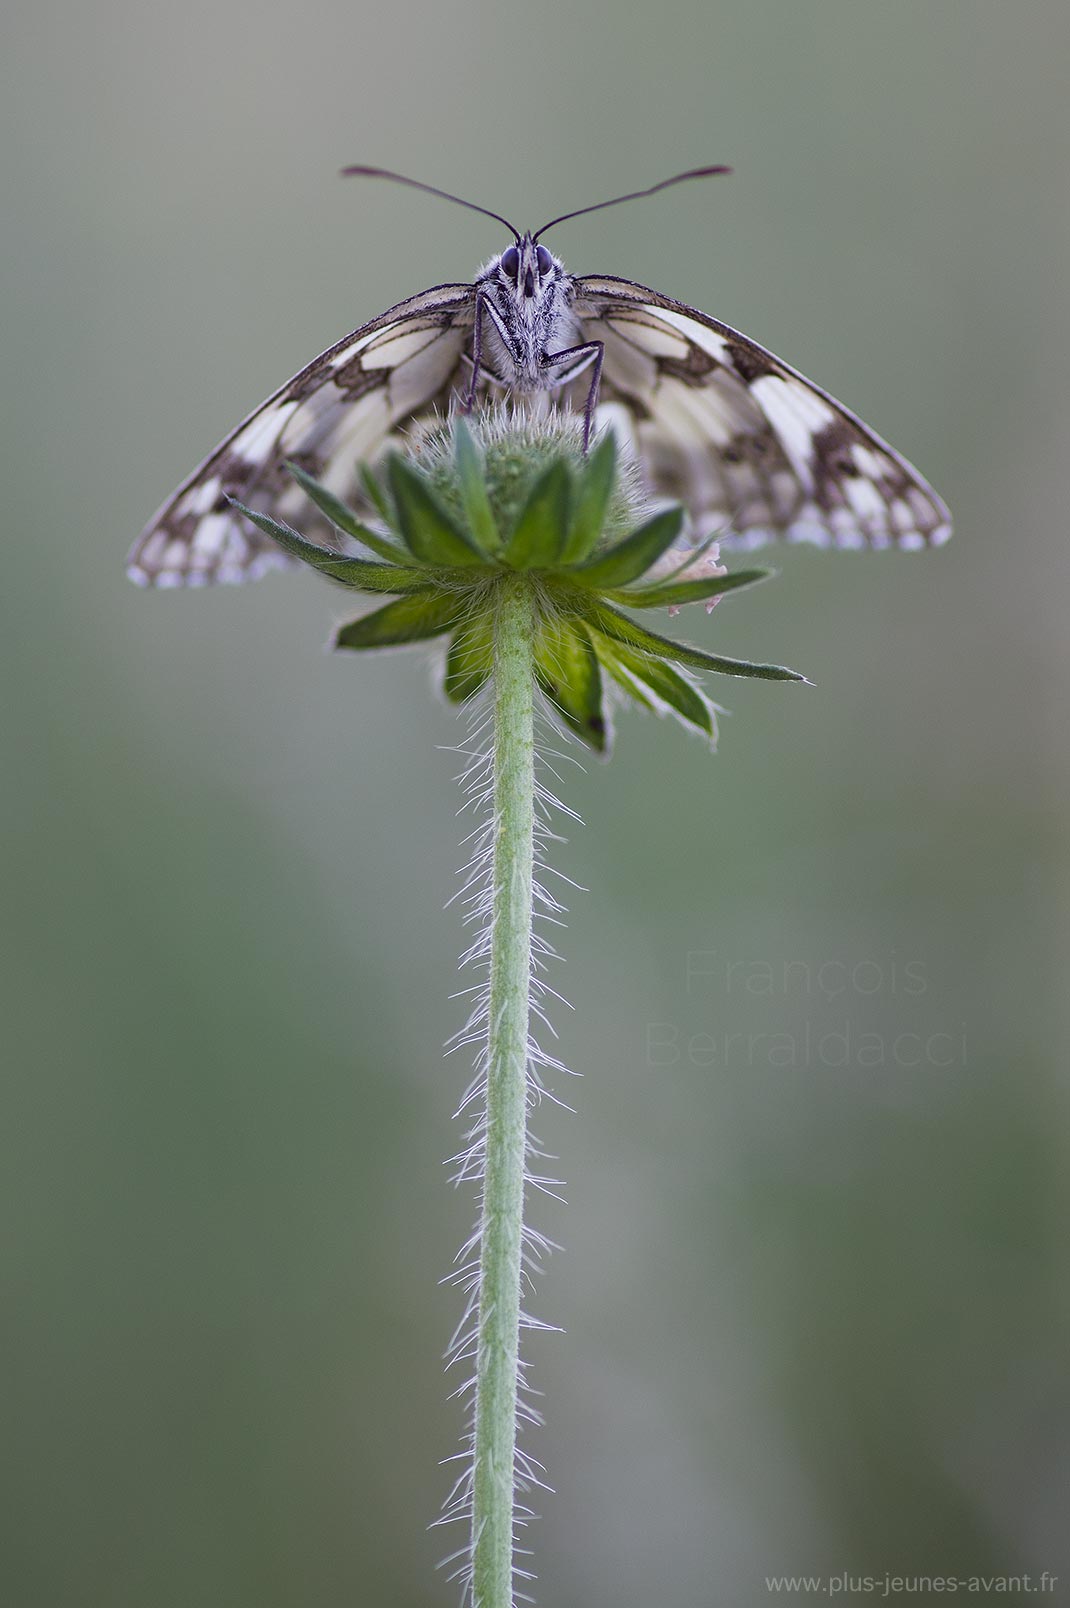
(642, 674)
(592, 501)
(470, 659)
(566, 668)
(428, 530)
(355, 572)
(539, 532)
(343, 519)
(640, 694)
(470, 473)
(634, 555)
(375, 493)
(408, 619)
(673, 593)
(619, 628)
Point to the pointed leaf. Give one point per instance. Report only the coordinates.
(375, 494)
(540, 531)
(343, 518)
(641, 674)
(481, 521)
(673, 593)
(634, 555)
(566, 667)
(592, 501)
(641, 694)
(619, 628)
(429, 531)
(409, 619)
(356, 572)
(471, 657)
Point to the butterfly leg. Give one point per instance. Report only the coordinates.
(477, 355)
(590, 355)
(476, 359)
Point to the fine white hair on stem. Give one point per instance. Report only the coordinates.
(475, 896)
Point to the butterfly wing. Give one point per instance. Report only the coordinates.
(395, 373)
(750, 447)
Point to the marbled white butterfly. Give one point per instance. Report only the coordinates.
(752, 449)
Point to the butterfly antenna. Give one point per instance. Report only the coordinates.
(399, 178)
(635, 195)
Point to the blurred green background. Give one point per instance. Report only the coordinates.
(816, 1312)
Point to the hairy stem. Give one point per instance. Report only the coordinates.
(502, 1215)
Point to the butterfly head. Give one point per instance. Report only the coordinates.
(527, 270)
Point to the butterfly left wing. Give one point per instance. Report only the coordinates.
(394, 373)
(751, 448)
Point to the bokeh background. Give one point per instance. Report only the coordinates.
(814, 1285)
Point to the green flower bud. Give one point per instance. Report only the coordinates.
(481, 503)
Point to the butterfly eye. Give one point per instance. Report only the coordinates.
(510, 263)
(544, 259)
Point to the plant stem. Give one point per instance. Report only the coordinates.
(502, 1215)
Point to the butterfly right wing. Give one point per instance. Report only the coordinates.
(752, 448)
(397, 372)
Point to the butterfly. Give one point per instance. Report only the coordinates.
(750, 448)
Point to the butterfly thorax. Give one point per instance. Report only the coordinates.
(528, 297)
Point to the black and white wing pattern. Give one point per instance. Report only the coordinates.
(396, 373)
(751, 448)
